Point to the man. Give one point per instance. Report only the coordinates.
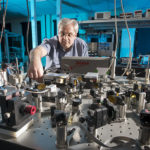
(65, 44)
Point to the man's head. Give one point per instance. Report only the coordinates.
(67, 32)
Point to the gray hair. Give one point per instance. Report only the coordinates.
(65, 21)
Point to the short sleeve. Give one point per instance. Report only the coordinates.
(46, 44)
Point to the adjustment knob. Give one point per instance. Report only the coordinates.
(30, 109)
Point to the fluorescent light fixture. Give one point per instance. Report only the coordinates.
(40, 0)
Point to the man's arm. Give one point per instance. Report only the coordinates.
(35, 70)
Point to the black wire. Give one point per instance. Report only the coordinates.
(3, 7)
(4, 16)
(0, 5)
(27, 33)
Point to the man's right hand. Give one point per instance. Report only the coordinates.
(35, 70)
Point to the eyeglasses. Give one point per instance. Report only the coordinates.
(66, 34)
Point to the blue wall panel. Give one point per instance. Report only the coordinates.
(125, 46)
(142, 42)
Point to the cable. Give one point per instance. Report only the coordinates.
(3, 25)
(0, 5)
(27, 33)
(116, 28)
(116, 44)
(40, 92)
(129, 65)
(92, 137)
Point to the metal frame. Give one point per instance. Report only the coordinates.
(110, 23)
(20, 50)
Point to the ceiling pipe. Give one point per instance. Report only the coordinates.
(33, 23)
(58, 10)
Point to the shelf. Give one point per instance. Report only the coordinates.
(13, 47)
(16, 48)
(91, 25)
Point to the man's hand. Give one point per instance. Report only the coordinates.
(35, 70)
